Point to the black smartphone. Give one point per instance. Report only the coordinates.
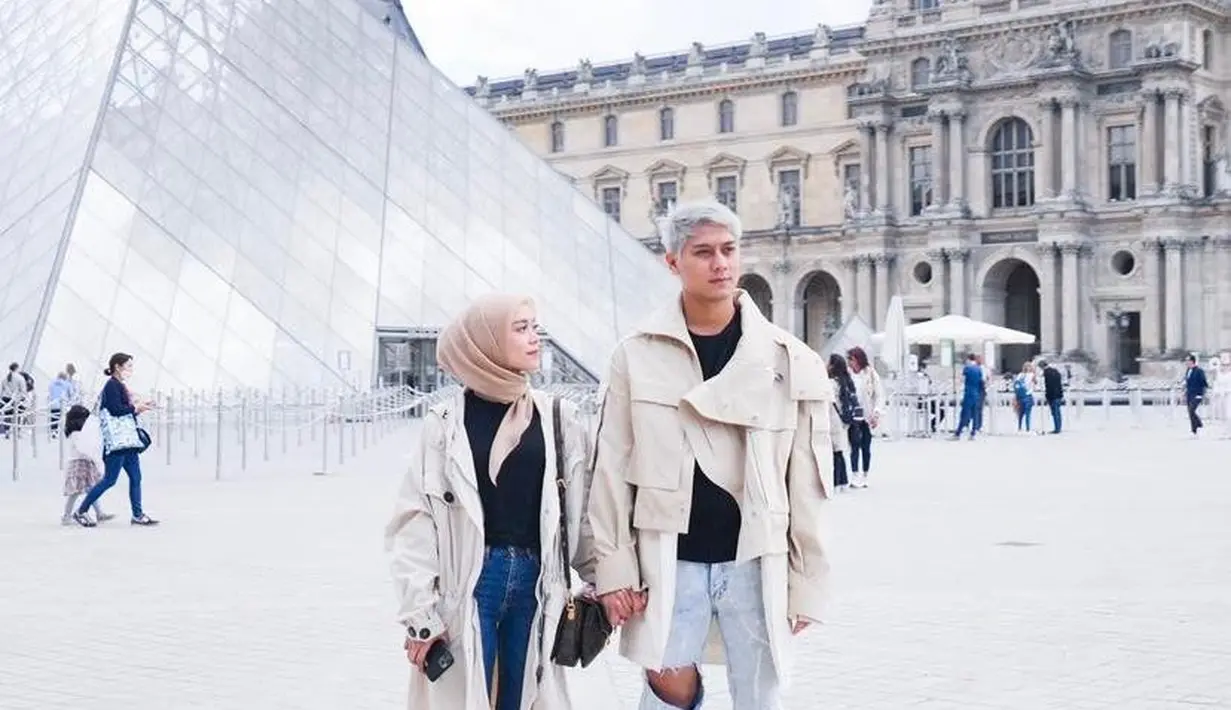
(439, 659)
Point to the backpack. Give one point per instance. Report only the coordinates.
(1019, 388)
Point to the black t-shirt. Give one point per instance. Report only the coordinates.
(713, 526)
(512, 506)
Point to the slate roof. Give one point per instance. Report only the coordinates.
(795, 46)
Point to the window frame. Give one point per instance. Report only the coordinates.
(1014, 176)
(735, 182)
(788, 105)
(603, 191)
(556, 138)
(1121, 173)
(726, 116)
(666, 120)
(611, 130)
(798, 215)
(925, 184)
(1120, 56)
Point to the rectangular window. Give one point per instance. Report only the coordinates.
(790, 108)
(789, 198)
(924, 4)
(727, 192)
(557, 137)
(1122, 163)
(611, 202)
(1209, 160)
(850, 184)
(920, 179)
(611, 131)
(666, 124)
(665, 195)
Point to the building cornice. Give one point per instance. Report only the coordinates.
(518, 112)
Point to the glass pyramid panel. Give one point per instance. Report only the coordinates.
(273, 181)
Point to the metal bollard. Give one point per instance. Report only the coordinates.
(341, 434)
(265, 424)
(324, 444)
(243, 432)
(167, 426)
(196, 425)
(282, 420)
(218, 441)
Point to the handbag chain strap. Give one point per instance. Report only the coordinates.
(558, 436)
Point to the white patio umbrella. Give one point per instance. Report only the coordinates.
(894, 347)
(964, 331)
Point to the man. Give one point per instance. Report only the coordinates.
(972, 397)
(986, 374)
(57, 399)
(12, 393)
(712, 470)
(1195, 386)
(1053, 393)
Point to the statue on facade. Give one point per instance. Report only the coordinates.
(482, 88)
(952, 63)
(759, 46)
(850, 201)
(696, 55)
(585, 72)
(531, 80)
(822, 38)
(1061, 45)
(638, 63)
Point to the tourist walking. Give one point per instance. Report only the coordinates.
(1053, 394)
(82, 463)
(477, 537)
(845, 409)
(12, 393)
(972, 396)
(868, 388)
(711, 481)
(59, 396)
(1023, 392)
(122, 442)
(1195, 387)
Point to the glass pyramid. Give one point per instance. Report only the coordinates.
(241, 192)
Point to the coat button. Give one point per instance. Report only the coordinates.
(449, 497)
(410, 631)
(425, 634)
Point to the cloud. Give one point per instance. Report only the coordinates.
(499, 38)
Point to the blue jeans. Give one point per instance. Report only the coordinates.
(730, 593)
(1054, 406)
(1026, 408)
(970, 405)
(506, 602)
(130, 461)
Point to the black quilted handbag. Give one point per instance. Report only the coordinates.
(584, 630)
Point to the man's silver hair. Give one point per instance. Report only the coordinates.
(681, 221)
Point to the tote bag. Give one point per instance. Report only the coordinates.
(119, 433)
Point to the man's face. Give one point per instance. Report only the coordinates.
(708, 264)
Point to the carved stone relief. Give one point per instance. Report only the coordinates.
(1011, 53)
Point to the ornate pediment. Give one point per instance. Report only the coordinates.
(609, 175)
(725, 164)
(1211, 107)
(666, 168)
(846, 147)
(788, 157)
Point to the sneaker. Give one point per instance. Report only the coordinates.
(144, 520)
(83, 520)
(104, 517)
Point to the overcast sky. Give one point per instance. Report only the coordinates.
(501, 38)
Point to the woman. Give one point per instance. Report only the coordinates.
(846, 408)
(116, 401)
(475, 539)
(868, 390)
(1023, 391)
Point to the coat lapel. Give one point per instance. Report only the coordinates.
(461, 459)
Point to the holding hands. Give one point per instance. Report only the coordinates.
(622, 605)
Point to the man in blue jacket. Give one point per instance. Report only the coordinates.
(972, 395)
(1195, 386)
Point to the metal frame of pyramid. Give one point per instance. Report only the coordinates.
(241, 192)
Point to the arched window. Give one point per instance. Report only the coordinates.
(611, 131)
(726, 116)
(1012, 150)
(1120, 49)
(920, 73)
(666, 123)
(557, 137)
(790, 108)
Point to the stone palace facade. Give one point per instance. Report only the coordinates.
(1056, 166)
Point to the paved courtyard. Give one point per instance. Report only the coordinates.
(1088, 570)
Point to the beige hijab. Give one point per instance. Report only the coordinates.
(472, 350)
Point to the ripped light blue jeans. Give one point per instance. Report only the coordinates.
(730, 593)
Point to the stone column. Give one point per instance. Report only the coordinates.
(884, 264)
(1222, 272)
(940, 178)
(1173, 301)
(1048, 342)
(1152, 312)
(866, 169)
(957, 281)
(1045, 165)
(1149, 142)
(939, 283)
(957, 161)
(884, 197)
(1070, 310)
(1171, 142)
(858, 276)
(1069, 148)
(1184, 156)
(867, 307)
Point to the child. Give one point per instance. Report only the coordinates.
(81, 468)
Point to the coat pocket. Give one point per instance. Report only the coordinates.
(658, 434)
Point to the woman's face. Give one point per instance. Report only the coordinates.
(852, 363)
(125, 371)
(521, 345)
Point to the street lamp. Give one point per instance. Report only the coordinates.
(1119, 320)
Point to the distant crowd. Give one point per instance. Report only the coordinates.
(18, 401)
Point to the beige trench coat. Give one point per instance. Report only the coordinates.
(760, 429)
(437, 545)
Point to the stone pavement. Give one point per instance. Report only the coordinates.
(1080, 571)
